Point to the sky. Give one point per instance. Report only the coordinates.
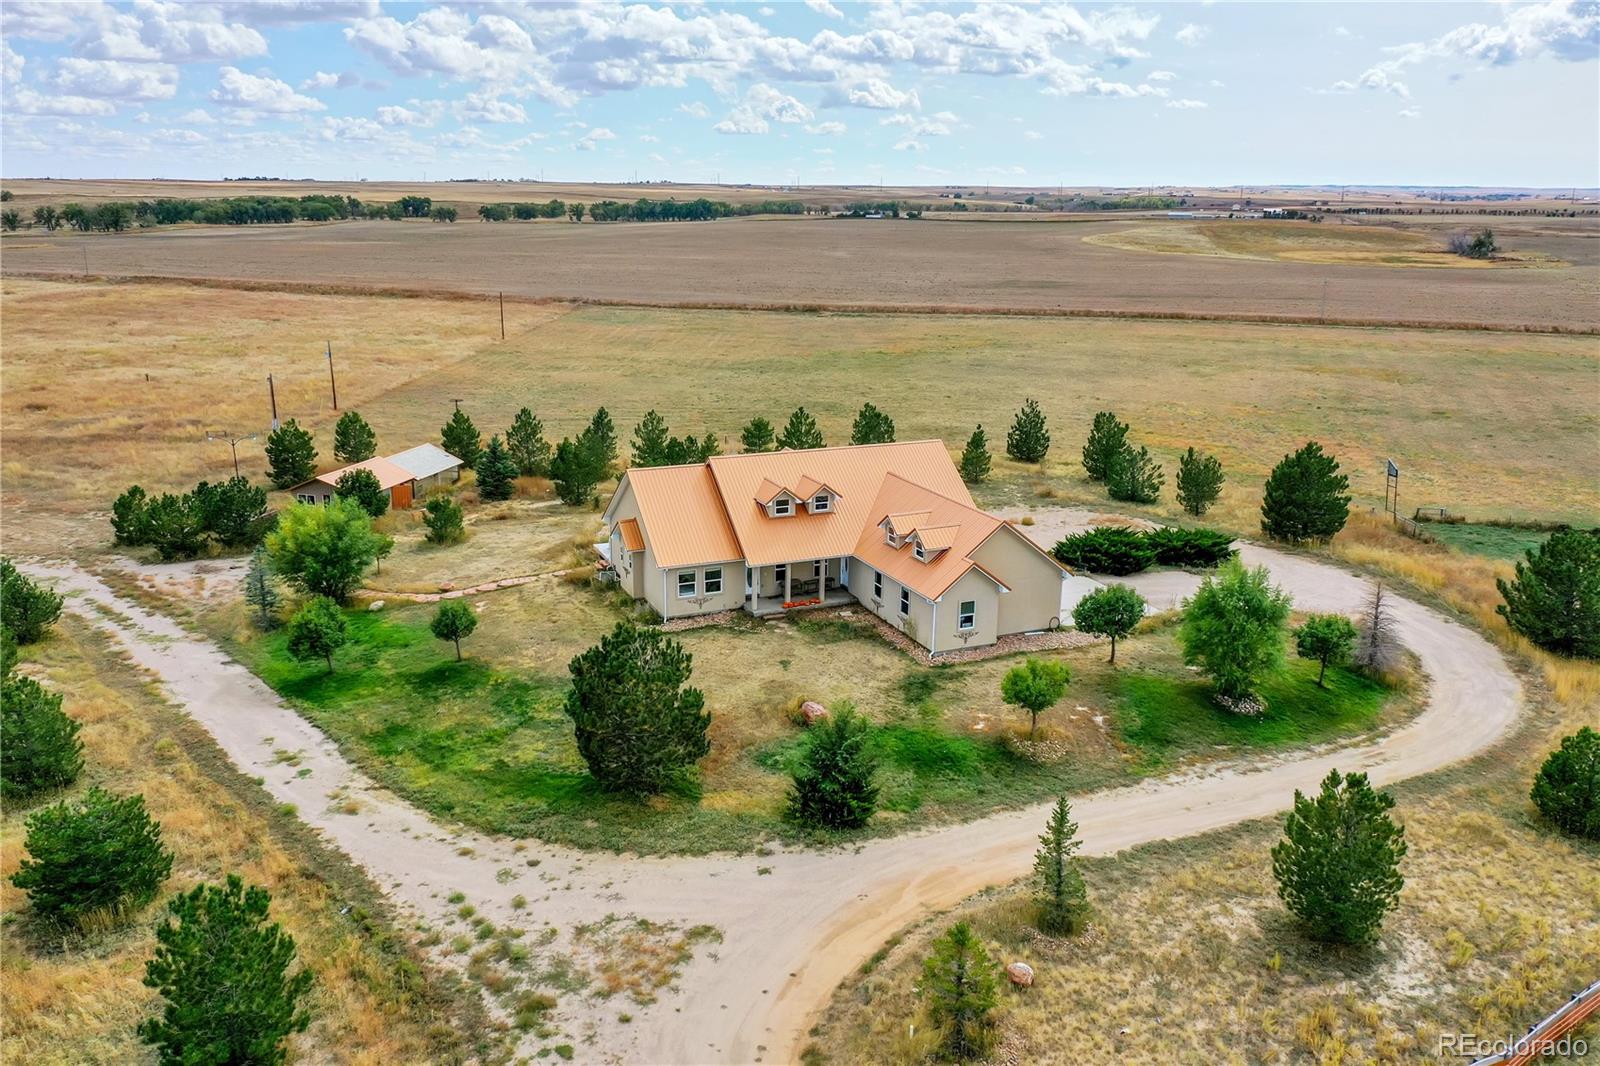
(820, 92)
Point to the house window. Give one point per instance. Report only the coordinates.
(305, 497)
(877, 585)
(685, 584)
(714, 581)
(967, 617)
(816, 568)
(917, 550)
(821, 502)
(905, 600)
(780, 506)
(780, 574)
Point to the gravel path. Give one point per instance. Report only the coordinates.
(790, 936)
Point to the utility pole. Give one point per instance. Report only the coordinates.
(1324, 314)
(457, 401)
(233, 442)
(273, 392)
(502, 316)
(332, 384)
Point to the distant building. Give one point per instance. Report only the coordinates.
(406, 476)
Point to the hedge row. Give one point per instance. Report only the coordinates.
(1116, 551)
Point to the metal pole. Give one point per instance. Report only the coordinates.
(273, 392)
(332, 385)
(502, 316)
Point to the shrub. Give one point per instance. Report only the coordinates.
(1567, 789)
(223, 970)
(1059, 891)
(1112, 612)
(1134, 475)
(317, 631)
(1028, 439)
(363, 488)
(175, 527)
(975, 461)
(353, 439)
(959, 985)
(496, 472)
(1199, 481)
(453, 621)
(639, 726)
(324, 548)
(801, 433)
(291, 455)
(872, 426)
(460, 438)
(833, 786)
(1305, 498)
(1327, 639)
(1106, 550)
(27, 608)
(1035, 686)
(128, 522)
(1554, 600)
(231, 510)
(39, 740)
(444, 520)
(99, 853)
(1189, 548)
(1338, 866)
(1107, 438)
(1233, 628)
(1480, 245)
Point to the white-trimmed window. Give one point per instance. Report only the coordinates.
(305, 497)
(905, 600)
(821, 502)
(919, 552)
(816, 568)
(877, 585)
(714, 581)
(686, 584)
(782, 506)
(967, 617)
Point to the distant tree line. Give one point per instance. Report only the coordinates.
(641, 210)
(114, 215)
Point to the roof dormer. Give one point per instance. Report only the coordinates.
(818, 496)
(928, 542)
(778, 501)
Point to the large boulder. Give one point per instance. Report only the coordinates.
(1020, 973)
(812, 712)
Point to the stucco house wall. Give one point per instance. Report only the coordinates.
(988, 602)
(1035, 582)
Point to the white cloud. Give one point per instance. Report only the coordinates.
(1187, 105)
(197, 117)
(362, 130)
(28, 102)
(879, 95)
(589, 141)
(180, 138)
(823, 7)
(761, 105)
(250, 92)
(1192, 34)
(1162, 75)
(115, 80)
(489, 108)
(1409, 112)
(324, 80)
(420, 113)
(649, 138)
(1033, 135)
(695, 108)
(11, 65)
(827, 129)
(1381, 78)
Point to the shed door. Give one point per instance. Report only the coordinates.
(400, 495)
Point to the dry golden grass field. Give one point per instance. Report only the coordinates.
(932, 263)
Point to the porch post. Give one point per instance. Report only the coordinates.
(788, 582)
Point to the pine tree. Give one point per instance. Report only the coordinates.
(1338, 866)
(801, 433)
(757, 435)
(1059, 890)
(577, 469)
(363, 487)
(223, 970)
(353, 439)
(27, 608)
(833, 785)
(650, 440)
(1199, 481)
(453, 621)
(639, 726)
(443, 517)
(261, 588)
(975, 461)
(1134, 475)
(317, 631)
(231, 510)
(496, 472)
(1325, 639)
(1112, 611)
(1028, 440)
(95, 854)
(601, 438)
(1107, 439)
(959, 985)
(128, 522)
(1305, 497)
(175, 527)
(1554, 600)
(529, 450)
(872, 426)
(291, 455)
(39, 739)
(461, 439)
(1567, 790)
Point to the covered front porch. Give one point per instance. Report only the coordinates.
(779, 587)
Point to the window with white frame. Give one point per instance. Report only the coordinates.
(919, 552)
(967, 617)
(816, 568)
(781, 506)
(305, 497)
(821, 502)
(877, 585)
(905, 600)
(686, 584)
(714, 581)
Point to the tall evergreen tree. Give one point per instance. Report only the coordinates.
(261, 588)
(833, 785)
(291, 455)
(975, 461)
(1028, 440)
(529, 450)
(223, 970)
(959, 985)
(1554, 600)
(650, 440)
(27, 608)
(1306, 498)
(602, 441)
(353, 439)
(1059, 891)
(461, 439)
(1107, 438)
(231, 510)
(872, 426)
(801, 433)
(496, 472)
(1134, 475)
(39, 740)
(442, 516)
(757, 435)
(1567, 790)
(1338, 866)
(174, 526)
(128, 522)
(577, 469)
(1199, 481)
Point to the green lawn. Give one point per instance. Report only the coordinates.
(1494, 542)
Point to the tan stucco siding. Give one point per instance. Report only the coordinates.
(987, 601)
(632, 569)
(916, 624)
(770, 586)
(1035, 582)
(701, 602)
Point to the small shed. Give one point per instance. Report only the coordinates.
(394, 478)
(429, 466)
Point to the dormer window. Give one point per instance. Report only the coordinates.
(919, 552)
(820, 503)
(782, 507)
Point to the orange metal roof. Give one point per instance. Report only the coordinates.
(683, 515)
(937, 538)
(768, 491)
(808, 486)
(632, 539)
(956, 521)
(388, 474)
(854, 472)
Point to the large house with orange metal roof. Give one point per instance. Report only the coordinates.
(889, 526)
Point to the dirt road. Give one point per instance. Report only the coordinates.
(791, 934)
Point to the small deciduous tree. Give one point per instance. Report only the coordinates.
(363, 488)
(1326, 639)
(39, 740)
(1028, 439)
(1233, 628)
(1036, 686)
(128, 522)
(757, 435)
(1107, 438)
(291, 455)
(1567, 789)
(317, 630)
(1199, 481)
(442, 516)
(975, 461)
(27, 608)
(496, 472)
(324, 549)
(1112, 611)
(1134, 475)
(527, 446)
(99, 853)
(1059, 891)
(1306, 498)
(1554, 600)
(639, 725)
(834, 784)
(958, 983)
(871, 426)
(223, 970)
(353, 439)
(261, 589)
(461, 439)
(801, 432)
(1338, 866)
(453, 621)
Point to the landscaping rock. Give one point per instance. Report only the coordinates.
(446, 586)
(1021, 974)
(375, 605)
(812, 711)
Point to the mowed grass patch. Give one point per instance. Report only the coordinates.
(1490, 541)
